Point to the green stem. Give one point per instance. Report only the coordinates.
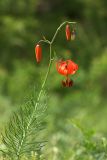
(46, 77)
(45, 41)
(42, 87)
(36, 105)
(53, 39)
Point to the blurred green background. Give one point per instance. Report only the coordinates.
(22, 24)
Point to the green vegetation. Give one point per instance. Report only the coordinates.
(75, 120)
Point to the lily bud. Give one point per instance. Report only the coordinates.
(68, 32)
(38, 53)
(73, 34)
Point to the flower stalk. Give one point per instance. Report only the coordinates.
(50, 53)
(22, 124)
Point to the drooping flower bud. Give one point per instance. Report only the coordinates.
(73, 34)
(38, 53)
(68, 32)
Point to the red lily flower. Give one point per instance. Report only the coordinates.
(66, 68)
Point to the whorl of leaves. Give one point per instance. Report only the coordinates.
(23, 131)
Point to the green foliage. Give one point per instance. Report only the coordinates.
(22, 135)
(78, 143)
(90, 146)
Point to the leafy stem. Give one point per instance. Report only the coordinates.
(43, 84)
(35, 108)
(26, 122)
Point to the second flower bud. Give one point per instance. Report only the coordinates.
(68, 32)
